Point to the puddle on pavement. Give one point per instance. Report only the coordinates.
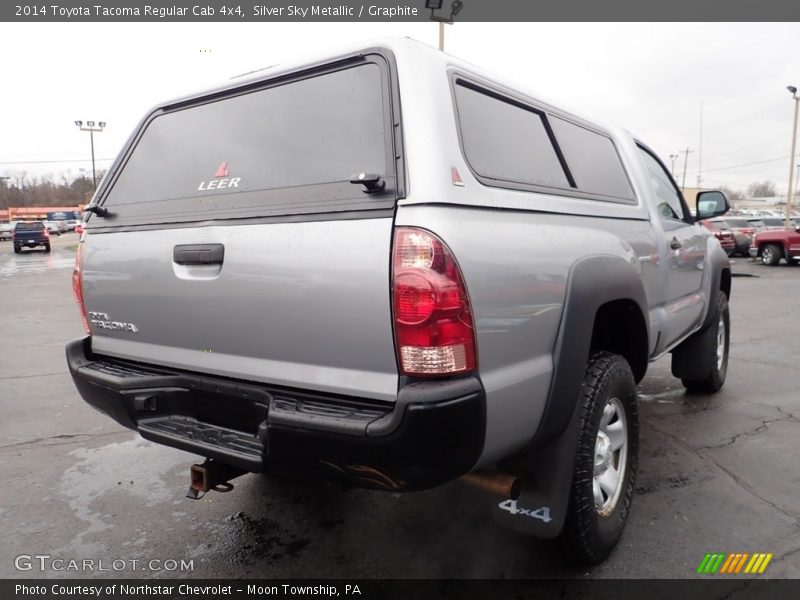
(36, 262)
(122, 467)
(665, 397)
(245, 540)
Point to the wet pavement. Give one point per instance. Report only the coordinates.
(716, 473)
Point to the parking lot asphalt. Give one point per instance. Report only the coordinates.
(717, 474)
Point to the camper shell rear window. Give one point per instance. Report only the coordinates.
(286, 147)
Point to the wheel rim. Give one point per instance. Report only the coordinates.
(721, 333)
(610, 457)
(767, 256)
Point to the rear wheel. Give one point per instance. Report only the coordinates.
(606, 460)
(17, 249)
(771, 255)
(47, 248)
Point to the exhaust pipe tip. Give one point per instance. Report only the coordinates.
(499, 484)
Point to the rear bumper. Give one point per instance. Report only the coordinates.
(432, 434)
(31, 244)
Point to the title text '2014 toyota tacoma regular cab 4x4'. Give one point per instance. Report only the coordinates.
(390, 269)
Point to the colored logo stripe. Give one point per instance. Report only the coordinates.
(734, 563)
(758, 563)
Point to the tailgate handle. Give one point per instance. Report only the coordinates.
(198, 254)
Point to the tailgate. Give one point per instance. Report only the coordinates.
(298, 304)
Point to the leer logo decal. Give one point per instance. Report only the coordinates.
(221, 180)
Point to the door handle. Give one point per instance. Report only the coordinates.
(675, 244)
(198, 254)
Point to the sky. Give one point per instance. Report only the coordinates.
(656, 80)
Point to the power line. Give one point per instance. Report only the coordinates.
(749, 146)
(744, 116)
(758, 162)
(38, 162)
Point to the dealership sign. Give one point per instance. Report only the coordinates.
(63, 216)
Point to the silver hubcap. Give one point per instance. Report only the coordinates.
(720, 343)
(610, 457)
(767, 256)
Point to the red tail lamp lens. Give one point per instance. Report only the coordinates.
(433, 322)
(77, 286)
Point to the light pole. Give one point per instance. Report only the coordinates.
(672, 157)
(793, 91)
(91, 128)
(435, 5)
(685, 163)
(6, 199)
(797, 180)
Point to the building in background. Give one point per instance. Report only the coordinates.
(49, 213)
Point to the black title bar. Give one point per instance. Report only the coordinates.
(399, 10)
(405, 589)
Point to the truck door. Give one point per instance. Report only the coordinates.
(684, 250)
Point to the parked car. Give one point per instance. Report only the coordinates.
(30, 234)
(764, 223)
(773, 245)
(71, 224)
(725, 236)
(467, 288)
(742, 234)
(52, 227)
(6, 231)
(739, 225)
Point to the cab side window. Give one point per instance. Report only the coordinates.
(670, 203)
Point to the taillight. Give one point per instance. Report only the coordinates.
(433, 324)
(77, 285)
(79, 229)
(46, 233)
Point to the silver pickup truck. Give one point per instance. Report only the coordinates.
(390, 269)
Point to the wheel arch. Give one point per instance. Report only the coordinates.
(604, 309)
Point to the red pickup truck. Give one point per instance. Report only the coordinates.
(723, 233)
(774, 244)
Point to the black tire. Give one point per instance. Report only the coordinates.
(706, 349)
(17, 250)
(771, 255)
(591, 532)
(47, 248)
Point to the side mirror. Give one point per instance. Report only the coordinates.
(711, 204)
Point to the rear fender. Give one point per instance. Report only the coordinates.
(546, 464)
(593, 282)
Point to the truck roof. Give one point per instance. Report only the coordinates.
(406, 51)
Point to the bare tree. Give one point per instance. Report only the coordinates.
(759, 189)
(22, 190)
(731, 194)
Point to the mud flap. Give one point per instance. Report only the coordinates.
(541, 507)
(694, 358)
